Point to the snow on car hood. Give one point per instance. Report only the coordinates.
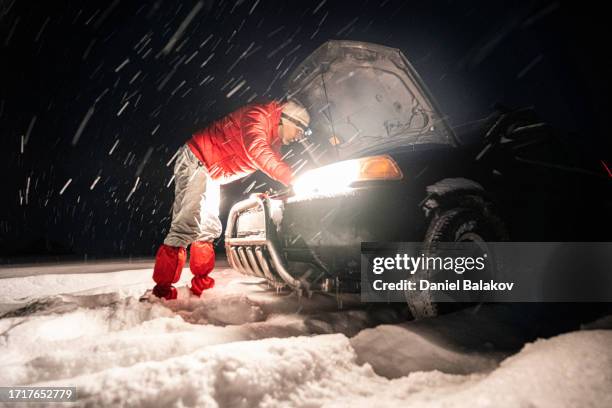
(361, 95)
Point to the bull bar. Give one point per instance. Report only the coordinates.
(260, 255)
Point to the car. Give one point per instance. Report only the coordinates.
(383, 165)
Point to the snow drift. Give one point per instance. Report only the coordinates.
(245, 345)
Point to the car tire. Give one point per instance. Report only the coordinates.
(474, 221)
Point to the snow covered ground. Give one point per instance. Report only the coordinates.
(244, 344)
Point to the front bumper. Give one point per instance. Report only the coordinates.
(253, 248)
(315, 243)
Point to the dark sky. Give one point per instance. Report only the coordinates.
(80, 79)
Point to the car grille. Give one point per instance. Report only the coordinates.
(251, 223)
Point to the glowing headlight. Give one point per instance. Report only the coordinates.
(338, 177)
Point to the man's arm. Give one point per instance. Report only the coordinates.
(259, 150)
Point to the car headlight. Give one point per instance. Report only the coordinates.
(339, 177)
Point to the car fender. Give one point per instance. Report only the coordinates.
(454, 192)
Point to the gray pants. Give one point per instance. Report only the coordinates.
(195, 213)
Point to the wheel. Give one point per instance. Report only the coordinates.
(472, 222)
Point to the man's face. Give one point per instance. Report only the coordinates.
(289, 132)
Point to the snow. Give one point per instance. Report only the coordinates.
(245, 345)
(422, 354)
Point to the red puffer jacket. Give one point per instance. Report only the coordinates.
(242, 142)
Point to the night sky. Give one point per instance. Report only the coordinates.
(96, 97)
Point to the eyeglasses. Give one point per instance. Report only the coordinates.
(303, 130)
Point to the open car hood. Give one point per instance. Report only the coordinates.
(362, 96)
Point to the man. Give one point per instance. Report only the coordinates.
(230, 148)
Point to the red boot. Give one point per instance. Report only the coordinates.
(169, 263)
(201, 263)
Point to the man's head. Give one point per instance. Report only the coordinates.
(294, 122)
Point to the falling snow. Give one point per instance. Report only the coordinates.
(103, 96)
(65, 186)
